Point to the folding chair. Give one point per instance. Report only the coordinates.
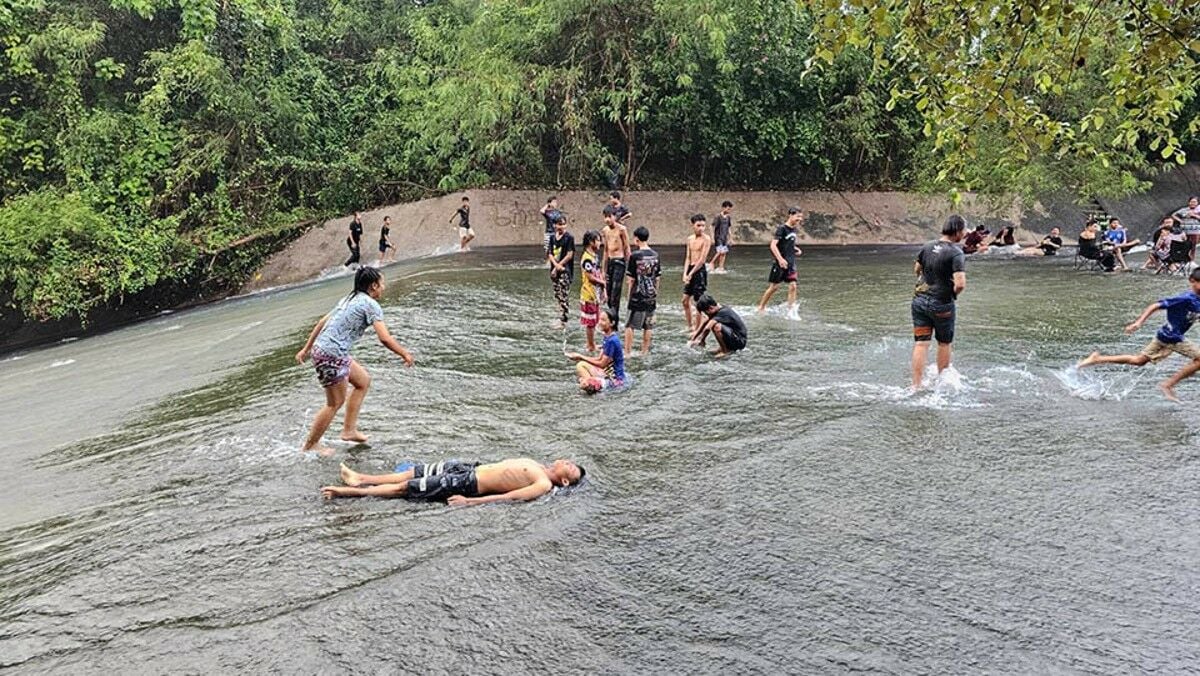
(1177, 259)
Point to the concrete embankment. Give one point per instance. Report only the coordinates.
(511, 218)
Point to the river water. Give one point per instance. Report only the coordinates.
(786, 510)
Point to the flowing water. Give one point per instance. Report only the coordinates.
(790, 509)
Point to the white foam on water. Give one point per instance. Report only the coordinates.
(1091, 385)
(61, 362)
(69, 340)
(946, 391)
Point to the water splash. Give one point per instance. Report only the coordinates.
(1090, 385)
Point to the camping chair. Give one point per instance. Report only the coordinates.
(1177, 259)
(1090, 256)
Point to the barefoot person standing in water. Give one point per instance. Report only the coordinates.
(783, 269)
(941, 276)
(695, 269)
(1182, 311)
(616, 259)
(330, 343)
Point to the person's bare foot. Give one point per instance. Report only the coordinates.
(330, 492)
(762, 310)
(644, 353)
(350, 477)
(720, 354)
(355, 436)
(323, 451)
(1088, 360)
(1169, 392)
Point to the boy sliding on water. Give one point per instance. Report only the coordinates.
(462, 483)
(329, 344)
(591, 288)
(1182, 311)
(616, 258)
(695, 269)
(784, 249)
(608, 370)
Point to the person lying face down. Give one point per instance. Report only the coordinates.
(462, 483)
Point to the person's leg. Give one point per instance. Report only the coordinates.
(1168, 386)
(791, 295)
(646, 334)
(360, 380)
(586, 375)
(628, 339)
(1193, 239)
(335, 397)
(944, 352)
(562, 287)
(384, 491)
(718, 332)
(1130, 359)
(762, 304)
(919, 354)
(687, 311)
(352, 478)
(590, 331)
(1120, 257)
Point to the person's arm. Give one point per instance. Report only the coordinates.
(701, 333)
(533, 491)
(960, 282)
(625, 244)
(600, 362)
(687, 260)
(302, 355)
(595, 275)
(1137, 323)
(917, 269)
(778, 256)
(390, 343)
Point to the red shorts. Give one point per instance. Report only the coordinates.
(588, 313)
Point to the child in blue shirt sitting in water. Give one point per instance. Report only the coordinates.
(607, 370)
(1182, 311)
(330, 343)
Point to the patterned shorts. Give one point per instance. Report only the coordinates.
(588, 313)
(331, 370)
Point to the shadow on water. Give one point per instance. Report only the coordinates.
(788, 509)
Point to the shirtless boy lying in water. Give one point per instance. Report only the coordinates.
(462, 483)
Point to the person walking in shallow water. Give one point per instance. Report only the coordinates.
(941, 276)
(1182, 311)
(784, 250)
(560, 254)
(329, 345)
(354, 241)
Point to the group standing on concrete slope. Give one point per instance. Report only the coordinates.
(612, 268)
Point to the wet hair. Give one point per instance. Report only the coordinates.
(726, 203)
(560, 218)
(704, 302)
(589, 237)
(641, 234)
(1195, 276)
(1193, 197)
(466, 199)
(954, 225)
(792, 211)
(612, 315)
(980, 228)
(698, 218)
(582, 473)
(387, 218)
(608, 211)
(364, 279)
(552, 198)
(1114, 219)
(1090, 221)
(616, 194)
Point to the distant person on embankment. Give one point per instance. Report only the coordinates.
(462, 483)
(606, 371)
(643, 275)
(1182, 311)
(465, 232)
(941, 276)
(1189, 219)
(722, 224)
(329, 344)
(695, 269)
(354, 241)
(549, 212)
(560, 254)
(784, 250)
(385, 241)
(616, 260)
(725, 326)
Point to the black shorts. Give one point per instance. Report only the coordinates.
(383, 247)
(698, 284)
(779, 275)
(440, 480)
(640, 320)
(932, 318)
(732, 341)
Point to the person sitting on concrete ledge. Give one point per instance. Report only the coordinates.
(1006, 237)
(1049, 245)
(973, 242)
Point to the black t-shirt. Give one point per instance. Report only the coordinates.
(727, 317)
(620, 212)
(785, 241)
(644, 269)
(1051, 250)
(464, 217)
(356, 231)
(939, 261)
(560, 247)
(721, 230)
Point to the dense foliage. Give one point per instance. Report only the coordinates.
(142, 141)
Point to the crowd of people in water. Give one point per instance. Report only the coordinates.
(615, 263)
